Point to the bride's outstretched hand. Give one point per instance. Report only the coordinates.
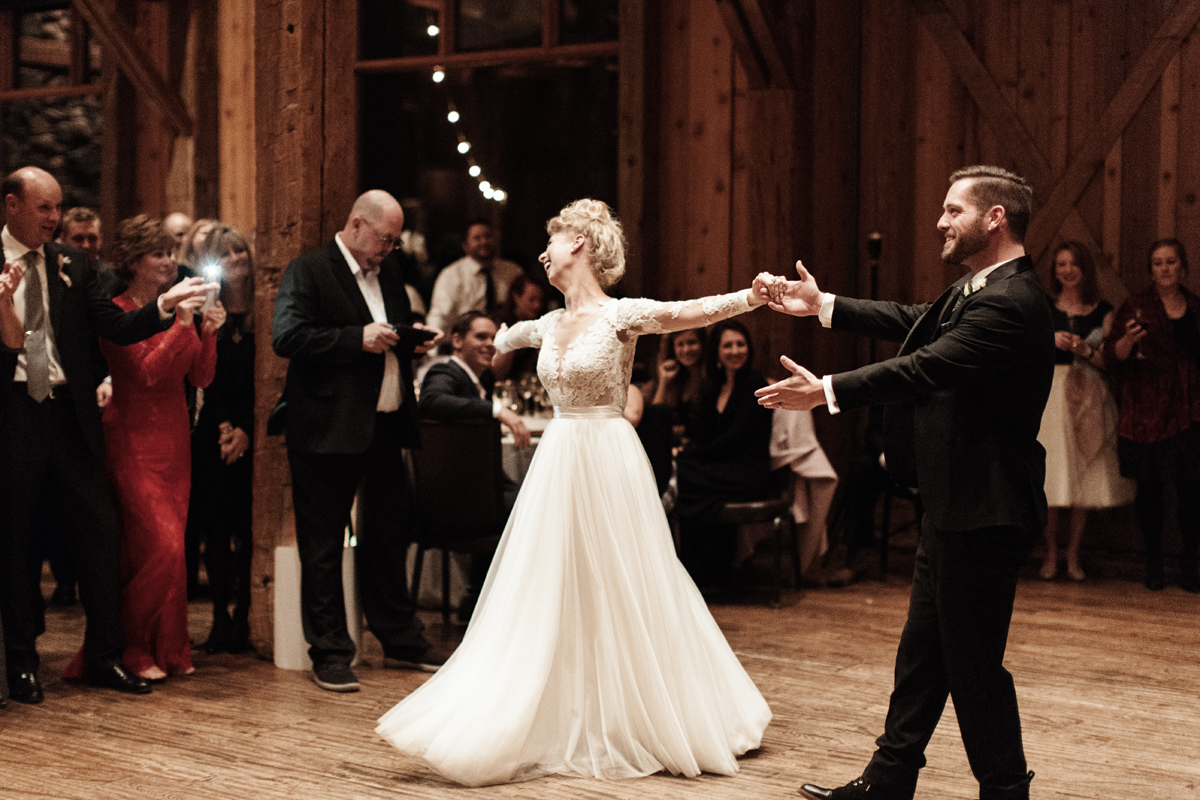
(764, 288)
(800, 298)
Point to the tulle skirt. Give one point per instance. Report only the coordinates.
(591, 652)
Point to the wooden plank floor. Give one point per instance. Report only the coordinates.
(1108, 676)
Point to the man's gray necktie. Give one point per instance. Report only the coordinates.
(37, 362)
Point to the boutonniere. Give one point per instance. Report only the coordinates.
(62, 262)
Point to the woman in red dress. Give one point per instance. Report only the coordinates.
(148, 436)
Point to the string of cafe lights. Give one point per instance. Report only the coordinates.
(489, 191)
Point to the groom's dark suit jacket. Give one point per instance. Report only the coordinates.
(966, 395)
(332, 385)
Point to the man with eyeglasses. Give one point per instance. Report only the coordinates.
(350, 411)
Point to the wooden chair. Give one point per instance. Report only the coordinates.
(895, 492)
(458, 494)
(776, 510)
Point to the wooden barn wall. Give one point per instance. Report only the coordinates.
(1096, 102)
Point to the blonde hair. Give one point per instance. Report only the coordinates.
(600, 229)
(136, 237)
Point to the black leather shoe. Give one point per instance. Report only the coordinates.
(858, 789)
(116, 677)
(26, 688)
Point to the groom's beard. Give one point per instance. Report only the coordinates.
(966, 244)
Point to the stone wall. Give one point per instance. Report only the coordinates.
(60, 135)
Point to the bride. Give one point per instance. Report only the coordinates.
(590, 652)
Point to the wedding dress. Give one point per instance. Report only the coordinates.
(590, 652)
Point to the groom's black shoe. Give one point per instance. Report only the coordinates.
(858, 789)
(26, 688)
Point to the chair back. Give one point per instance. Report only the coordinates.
(457, 476)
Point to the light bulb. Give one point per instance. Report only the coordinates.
(433, 30)
(463, 147)
(499, 195)
(474, 170)
(438, 76)
(452, 116)
(484, 186)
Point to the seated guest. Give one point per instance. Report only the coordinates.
(680, 378)
(222, 458)
(147, 433)
(526, 300)
(727, 458)
(461, 389)
(476, 282)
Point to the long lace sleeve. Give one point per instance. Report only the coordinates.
(643, 316)
(523, 334)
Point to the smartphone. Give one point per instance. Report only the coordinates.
(212, 274)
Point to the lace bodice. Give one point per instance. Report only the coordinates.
(593, 369)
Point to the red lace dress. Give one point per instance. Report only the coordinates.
(148, 437)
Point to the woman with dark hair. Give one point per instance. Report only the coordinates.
(222, 458)
(1153, 349)
(727, 458)
(147, 433)
(1079, 425)
(680, 378)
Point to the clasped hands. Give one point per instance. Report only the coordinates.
(800, 298)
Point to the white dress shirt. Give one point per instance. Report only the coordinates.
(391, 393)
(462, 287)
(14, 252)
(825, 315)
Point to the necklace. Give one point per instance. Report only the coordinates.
(139, 302)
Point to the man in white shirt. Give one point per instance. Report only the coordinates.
(350, 412)
(476, 282)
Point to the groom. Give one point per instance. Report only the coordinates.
(965, 396)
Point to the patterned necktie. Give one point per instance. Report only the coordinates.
(37, 362)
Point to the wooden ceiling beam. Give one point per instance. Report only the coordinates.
(116, 35)
(1089, 158)
(743, 43)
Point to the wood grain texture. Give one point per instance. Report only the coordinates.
(1105, 674)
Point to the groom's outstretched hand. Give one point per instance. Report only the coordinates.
(800, 392)
(800, 298)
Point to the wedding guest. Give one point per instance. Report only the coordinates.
(193, 244)
(1152, 351)
(1079, 423)
(526, 300)
(726, 459)
(222, 456)
(177, 223)
(147, 432)
(680, 378)
(51, 440)
(476, 282)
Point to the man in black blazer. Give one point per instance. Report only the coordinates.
(51, 440)
(350, 412)
(966, 395)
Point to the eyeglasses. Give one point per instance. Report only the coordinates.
(391, 242)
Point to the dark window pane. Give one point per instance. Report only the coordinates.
(392, 29)
(587, 21)
(499, 24)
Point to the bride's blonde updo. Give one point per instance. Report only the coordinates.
(605, 239)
